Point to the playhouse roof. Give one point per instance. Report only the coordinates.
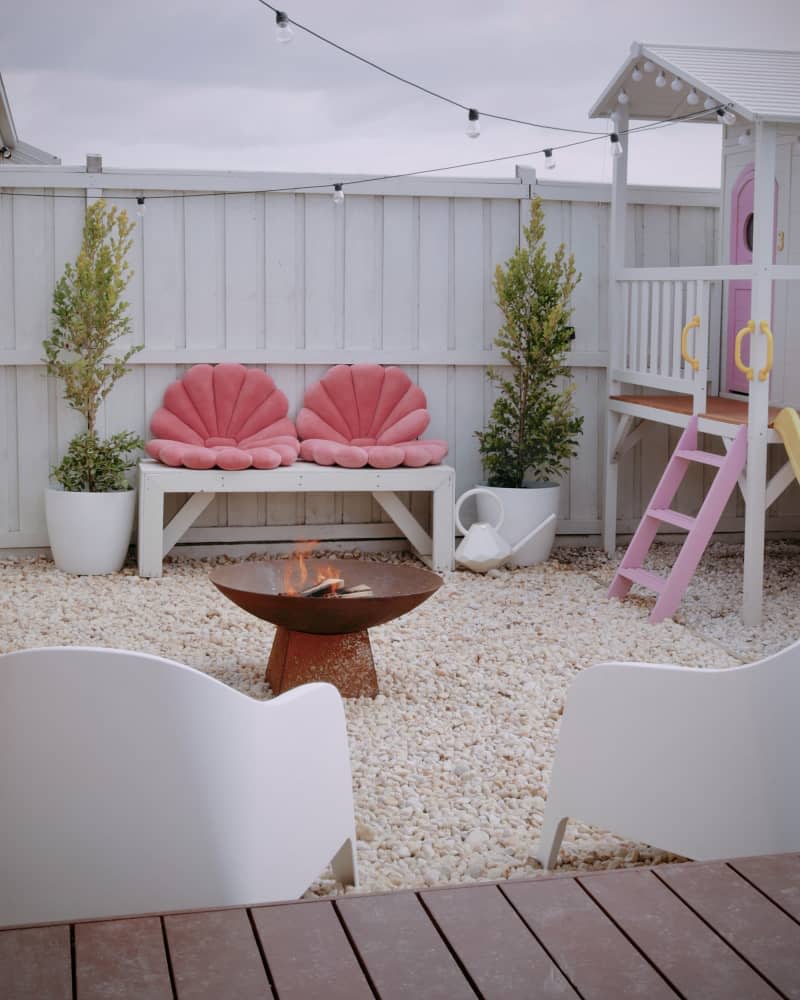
(759, 84)
(21, 152)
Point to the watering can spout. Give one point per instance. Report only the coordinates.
(532, 534)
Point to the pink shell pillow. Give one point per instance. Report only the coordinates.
(359, 415)
(227, 416)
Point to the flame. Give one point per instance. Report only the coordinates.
(295, 574)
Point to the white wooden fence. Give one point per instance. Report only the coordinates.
(400, 274)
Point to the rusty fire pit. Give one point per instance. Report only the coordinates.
(325, 638)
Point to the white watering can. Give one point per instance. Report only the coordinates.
(483, 547)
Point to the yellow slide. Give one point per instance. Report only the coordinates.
(787, 424)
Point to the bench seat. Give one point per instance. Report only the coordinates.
(155, 539)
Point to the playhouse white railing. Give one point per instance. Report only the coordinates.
(662, 338)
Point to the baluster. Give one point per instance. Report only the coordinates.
(677, 327)
(665, 347)
(652, 346)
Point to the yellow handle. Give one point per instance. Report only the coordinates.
(737, 350)
(691, 325)
(762, 375)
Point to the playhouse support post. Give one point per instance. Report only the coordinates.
(617, 229)
(758, 401)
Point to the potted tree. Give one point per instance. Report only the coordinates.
(90, 514)
(533, 428)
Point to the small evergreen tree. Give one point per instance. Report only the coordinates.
(90, 316)
(532, 427)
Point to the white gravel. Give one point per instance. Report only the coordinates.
(451, 761)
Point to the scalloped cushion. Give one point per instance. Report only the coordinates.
(362, 414)
(225, 416)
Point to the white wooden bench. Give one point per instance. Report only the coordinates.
(155, 480)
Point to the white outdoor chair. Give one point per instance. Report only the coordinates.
(702, 763)
(132, 784)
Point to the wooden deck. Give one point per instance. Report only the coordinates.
(711, 930)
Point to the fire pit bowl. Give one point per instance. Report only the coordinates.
(324, 638)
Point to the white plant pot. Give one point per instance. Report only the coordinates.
(525, 508)
(89, 532)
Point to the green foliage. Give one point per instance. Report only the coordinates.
(89, 317)
(532, 428)
(92, 465)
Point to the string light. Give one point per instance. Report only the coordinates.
(299, 188)
(692, 98)
(677, 84)
(661, 80)
(473, 124)
(283, 28)
(726, 116)
(411, 83)
(338, 194)
(622, 97)
(636, 75)
(141, 208)
(648, 66)
(709, 103)
(549, 160)
(744, 138)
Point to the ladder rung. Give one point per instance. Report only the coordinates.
(645, 578)
(672, 517)
(705, 457)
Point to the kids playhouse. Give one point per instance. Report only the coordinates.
(713, 350)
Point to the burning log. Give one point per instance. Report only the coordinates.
(333, 587)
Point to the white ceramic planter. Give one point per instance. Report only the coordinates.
(89, 532)
(525, 508)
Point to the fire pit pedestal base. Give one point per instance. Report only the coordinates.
(343, 660)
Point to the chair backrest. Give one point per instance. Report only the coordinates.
(133, 784)
(703, 762)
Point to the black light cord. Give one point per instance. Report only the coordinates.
(418, 86)
(378, 177)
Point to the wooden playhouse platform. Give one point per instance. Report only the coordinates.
(721, 408)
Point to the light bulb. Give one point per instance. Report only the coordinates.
(473, 124)
(648, 66)
(744, 138)
(661, 80)
(692, 98)
(709, 103)
(622, 97)
(549, 160)
(726, 116)
(616, 145)
(677, 85)
(283, 27)
(338, 194)
(141, 208)
(636, 75)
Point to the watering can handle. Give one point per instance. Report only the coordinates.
(469, 493)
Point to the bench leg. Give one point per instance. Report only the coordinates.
(443, 527)
(149, 535)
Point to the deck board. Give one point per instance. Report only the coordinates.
(308, 953)
(596, 956)
(401, 949)
(35, 962)
(124, 959)
(733, 907)
(500, 954)
(688, 953)
(699, 931)
(216, 955)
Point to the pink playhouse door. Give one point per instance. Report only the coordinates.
(739, 291)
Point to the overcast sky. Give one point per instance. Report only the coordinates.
(202, 84)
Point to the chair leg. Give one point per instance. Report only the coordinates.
(553, 829)
(344, 864)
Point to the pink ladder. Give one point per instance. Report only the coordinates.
(670, 589)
